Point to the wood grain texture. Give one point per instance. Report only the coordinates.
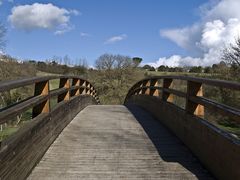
(116, 142)
(23, 150)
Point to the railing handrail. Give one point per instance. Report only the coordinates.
(42, 94)
(12, 84)
(195, 102)
(212, 82)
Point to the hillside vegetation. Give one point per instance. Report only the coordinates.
(112, 78)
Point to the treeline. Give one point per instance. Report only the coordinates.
(215, 68)
(11, 66)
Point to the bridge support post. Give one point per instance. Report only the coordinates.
(166, 96)
(87, 87)
(140, 91)
(194, 89)
(76, 83)
(154, 92)
(64, 83)
(82, 87)
(42, 89)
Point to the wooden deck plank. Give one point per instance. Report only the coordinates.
(117, 142)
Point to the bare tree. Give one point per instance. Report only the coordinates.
(116, 74)
(231, 54)
(66, 60)
(81, 62)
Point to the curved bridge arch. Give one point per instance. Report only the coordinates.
(120, 128)
(21, 151)
(217, 150)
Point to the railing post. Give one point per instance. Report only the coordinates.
(154, 92)
(82, 88)
(194, 89)
(148, 83)
(88, 88)
(166, 96)
(76, 82)
(91, 90)
(42, 89)
(64, 82)
(140, 90)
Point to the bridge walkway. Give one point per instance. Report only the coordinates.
(117, 142)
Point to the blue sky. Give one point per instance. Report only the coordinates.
(159, 31)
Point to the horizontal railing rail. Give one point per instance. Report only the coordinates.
(33, 112)
(194, 96)
(69, 86)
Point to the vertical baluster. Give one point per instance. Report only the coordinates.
(166, 96)
(64, 82)
(82, 88)
(154, 92)
(140, 90)
(42, 89)
(194, 89)
(75, 82)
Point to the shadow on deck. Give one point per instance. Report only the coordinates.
(169, 147)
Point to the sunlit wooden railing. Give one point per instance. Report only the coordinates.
(50, 109)
(195, 101)
(69, 86)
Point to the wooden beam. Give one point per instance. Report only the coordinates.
(194, 89)
(154, 92)
(42, 89)
(166, 96)
(64, 82)
(76, 82)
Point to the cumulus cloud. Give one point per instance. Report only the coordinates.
(219, 26)
(221, 9)
(183, 37)
(115, 39)
(41, 16)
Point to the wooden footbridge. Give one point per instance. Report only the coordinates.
(149, 137)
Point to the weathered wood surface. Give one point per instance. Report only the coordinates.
(116, 142)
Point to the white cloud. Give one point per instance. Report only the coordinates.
(41, 16)
(74, 12)
(219, 26)
(63, 29)
(83, 34)
(216, 34)
(183, 37)
(221, 9)
(115, 39)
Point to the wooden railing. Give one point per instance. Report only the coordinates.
(194, 96)
(22, 149)
(69, 86)
(211, 142)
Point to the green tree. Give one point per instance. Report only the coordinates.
(163, 68)
(137, 61)
(196, 69)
